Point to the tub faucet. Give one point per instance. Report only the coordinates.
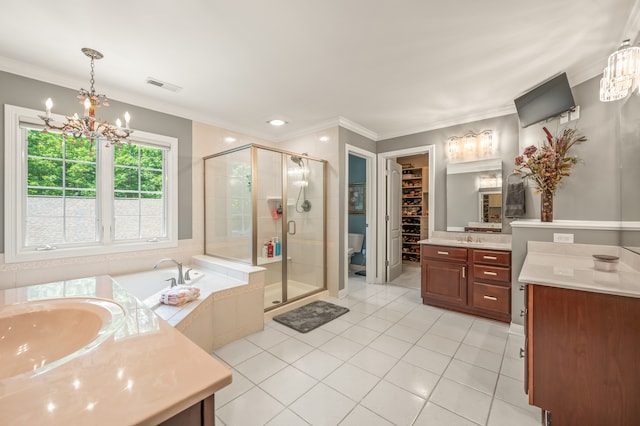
(178, 264)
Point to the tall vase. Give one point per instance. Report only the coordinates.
(546, 206)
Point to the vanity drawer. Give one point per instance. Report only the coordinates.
(493, 273)
(444, 252)
(492, 257)
(491, 297)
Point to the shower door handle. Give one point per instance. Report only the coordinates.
(291, 227)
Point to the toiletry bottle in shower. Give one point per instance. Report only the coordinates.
(264, 249)
(277, 244)
(270, 249)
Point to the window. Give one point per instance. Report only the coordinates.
(72, 197)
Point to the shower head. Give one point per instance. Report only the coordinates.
(297, 160)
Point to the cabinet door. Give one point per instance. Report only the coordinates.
(444, 282)
(583, 355)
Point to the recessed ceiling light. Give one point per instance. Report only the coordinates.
(324, 138)
(277, 122)
(229, 139)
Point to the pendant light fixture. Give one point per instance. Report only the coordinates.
(621, 74)
(88, 126)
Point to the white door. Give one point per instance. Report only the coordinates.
(394, 220)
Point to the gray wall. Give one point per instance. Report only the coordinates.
(592, 190)
(506, 132)
(29, 93)
(629, 169)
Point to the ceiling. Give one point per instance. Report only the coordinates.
(385, 69)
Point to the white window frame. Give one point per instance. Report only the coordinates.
(15, 182)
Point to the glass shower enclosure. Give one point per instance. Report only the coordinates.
(267, 207)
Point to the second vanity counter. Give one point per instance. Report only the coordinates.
(145, 373)
(571, 266)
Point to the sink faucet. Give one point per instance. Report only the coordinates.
(178, 264)
(469, 238)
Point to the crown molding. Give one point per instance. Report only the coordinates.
(357, 128)
(492, 113)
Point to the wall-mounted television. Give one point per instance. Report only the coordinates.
(548, 99)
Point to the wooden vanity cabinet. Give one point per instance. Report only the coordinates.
(444, 276)
(581, 352)
(470, 280)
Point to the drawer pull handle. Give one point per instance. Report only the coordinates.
(446, 253)
(521, 353)
(490, 257)
(521, 287)
(490, 273)
(464, 272)
(490, 298)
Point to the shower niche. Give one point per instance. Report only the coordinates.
(267, 207)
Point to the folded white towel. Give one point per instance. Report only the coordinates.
(179, 295)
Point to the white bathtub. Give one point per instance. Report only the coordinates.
(148, 285)
(230, 305)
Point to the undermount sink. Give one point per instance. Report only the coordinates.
(40, 335)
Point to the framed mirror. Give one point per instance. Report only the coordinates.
(474, 196)
(630, 173)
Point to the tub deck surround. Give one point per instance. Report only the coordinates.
(487, 240)
(145, 373)
(571, 266)
(230, 305)
(152, 284)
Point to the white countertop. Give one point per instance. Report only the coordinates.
(144, 373)
(489, 241)
(571, 266)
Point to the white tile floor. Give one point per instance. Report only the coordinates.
(390, 361)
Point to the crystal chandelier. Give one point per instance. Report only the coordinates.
(88, 126)
(621, 74)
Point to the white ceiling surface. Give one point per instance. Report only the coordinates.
(386, 68)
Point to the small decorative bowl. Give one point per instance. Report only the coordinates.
(605, 262)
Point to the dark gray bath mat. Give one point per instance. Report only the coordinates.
(313, 315)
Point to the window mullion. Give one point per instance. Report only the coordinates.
(106, 195)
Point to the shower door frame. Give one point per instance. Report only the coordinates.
(254, 216)
(285, 155)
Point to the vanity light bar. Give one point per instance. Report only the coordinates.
(471, 145)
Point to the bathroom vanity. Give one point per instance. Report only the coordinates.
(470, 277)
(582, 335)
(137, 369)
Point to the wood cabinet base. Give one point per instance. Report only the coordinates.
(582, 356)
(471, 281)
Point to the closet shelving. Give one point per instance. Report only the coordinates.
(414, 210)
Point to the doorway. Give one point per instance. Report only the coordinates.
(416, 197)
(360, 212)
